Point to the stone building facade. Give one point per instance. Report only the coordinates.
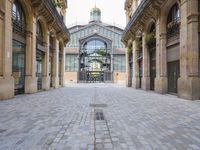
(32, 40)
(163, 37)
(95, 52)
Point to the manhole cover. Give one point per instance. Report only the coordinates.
(2, 130)
(98, 105)
(99, 116)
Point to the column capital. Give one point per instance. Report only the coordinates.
(29, 33)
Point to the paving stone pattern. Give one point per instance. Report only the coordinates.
(65, 119)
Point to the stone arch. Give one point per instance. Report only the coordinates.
(164, 13)
(26, 6)
(22, 37)
(172, 45)
(43, 24)
(149, 24)
(149, 72)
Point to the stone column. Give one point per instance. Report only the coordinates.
(55, 75)
(135, 80)
(146, 77)
(30, 78)
(45, 66)
(127, 69)
(161, 85)
(188, 83)
(6, 79)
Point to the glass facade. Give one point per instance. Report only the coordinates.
(39, 56)
(119, 63)
(18, 66)
(105, 32)
(71, 63)
(95, 56)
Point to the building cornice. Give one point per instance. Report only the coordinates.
(47, 9)
(147, 9)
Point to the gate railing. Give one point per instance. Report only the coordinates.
(95, 76)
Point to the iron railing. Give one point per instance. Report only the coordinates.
(19, 26)
(173, 29)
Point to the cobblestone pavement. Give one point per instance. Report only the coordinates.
(99, 117)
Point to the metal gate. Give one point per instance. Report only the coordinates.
(173, 75)
(39, 57)
(152, 68)
(95, 76)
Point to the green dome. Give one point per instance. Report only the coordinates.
(95, 9)
(95, 15)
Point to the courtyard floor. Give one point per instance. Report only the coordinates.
(99, 117)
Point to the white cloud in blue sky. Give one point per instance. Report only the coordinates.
(111, 10)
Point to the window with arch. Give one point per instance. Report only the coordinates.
(173, 21)
(18, 19)
(39, 33)
(95, 56)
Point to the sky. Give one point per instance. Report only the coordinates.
(112, 11)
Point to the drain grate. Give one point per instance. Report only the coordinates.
(98, 105)
(2, 130)
(99, 116)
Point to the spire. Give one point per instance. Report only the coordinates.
(95, 14)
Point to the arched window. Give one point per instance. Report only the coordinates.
(39, 34)
(173, 27)
(19, 23)
(95, 46)
(95, 56)
(151, 37)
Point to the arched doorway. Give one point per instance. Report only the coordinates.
(95, 61)
(60, 63)
(173, 47)
(130, 68)
(139, 59)
(39, 55)
(199, 45)
(151, 44)
(19, 44)
(51, 49)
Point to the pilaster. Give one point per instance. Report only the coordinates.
(189, 82)
(45, 74)
(30, 78)
(55, 75)
(135, 80)
(161, 85)
(6, 80)
(146, 77)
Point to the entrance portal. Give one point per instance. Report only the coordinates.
(95, 62)
(173, 75)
